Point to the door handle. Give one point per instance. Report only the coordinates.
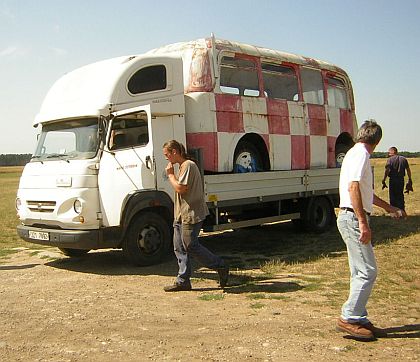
(148, 162)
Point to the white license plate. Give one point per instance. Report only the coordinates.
(39, 235)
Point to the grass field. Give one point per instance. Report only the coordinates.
(397, 245)
(9, 181)
(314, 260)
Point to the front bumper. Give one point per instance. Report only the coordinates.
(72, 239)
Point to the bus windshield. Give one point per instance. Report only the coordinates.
(74, 139)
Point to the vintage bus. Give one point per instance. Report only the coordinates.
(263, 108)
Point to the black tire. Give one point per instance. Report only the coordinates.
(340, 152)
(147, 240)
(319, 216)
(247, 158)
(74, 252)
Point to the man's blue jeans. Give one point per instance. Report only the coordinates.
(186, 244)
(362, 266)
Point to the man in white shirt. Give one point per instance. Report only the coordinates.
(356, 203)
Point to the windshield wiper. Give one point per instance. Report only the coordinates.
(58, 155)
(36, 157)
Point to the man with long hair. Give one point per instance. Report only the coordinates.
(190, 210)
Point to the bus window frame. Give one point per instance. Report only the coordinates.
(241, 91)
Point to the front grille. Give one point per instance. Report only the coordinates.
(41, 206)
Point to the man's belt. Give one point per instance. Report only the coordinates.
(351, 210)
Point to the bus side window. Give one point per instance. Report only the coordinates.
(337, 93)
(239, 76)
(280, 82)
(313, 89)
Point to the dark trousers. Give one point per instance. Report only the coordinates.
(396, 192)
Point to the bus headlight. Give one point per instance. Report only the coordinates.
(77, 206)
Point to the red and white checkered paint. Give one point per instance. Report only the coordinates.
(297, 136)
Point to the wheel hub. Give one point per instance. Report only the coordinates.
(149, 240)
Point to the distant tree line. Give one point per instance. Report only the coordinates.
(15, 159)
(402, 153)
(24, 158)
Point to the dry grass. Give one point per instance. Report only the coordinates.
(314, 264)
(397, 245)
(9, 180)
(11, 169)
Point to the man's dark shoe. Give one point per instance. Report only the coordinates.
(354, 329)
(178, 287)
(377, 332)
(223, 276)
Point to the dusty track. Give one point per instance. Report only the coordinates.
(100, 309)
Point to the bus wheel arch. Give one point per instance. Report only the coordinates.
(251, 154)
(343, 143)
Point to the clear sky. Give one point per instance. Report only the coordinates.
(376, 41)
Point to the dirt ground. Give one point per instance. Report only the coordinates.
(99, 308)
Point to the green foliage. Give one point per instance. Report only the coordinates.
(15, 159)
(403, 153)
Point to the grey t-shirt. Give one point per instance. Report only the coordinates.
(190, 207)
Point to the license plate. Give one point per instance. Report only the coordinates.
(39, 235)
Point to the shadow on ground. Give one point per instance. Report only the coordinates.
(247, 249)
(112, 262)
(243, 283)
(405, 331)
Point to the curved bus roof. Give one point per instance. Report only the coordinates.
(257, 51)
(91, 90)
